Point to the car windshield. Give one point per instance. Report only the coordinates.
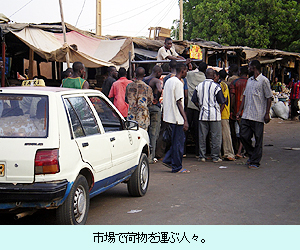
(24, 116)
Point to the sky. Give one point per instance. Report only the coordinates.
(119, 17)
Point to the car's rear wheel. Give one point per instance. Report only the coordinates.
(138, 182)
(75, 209)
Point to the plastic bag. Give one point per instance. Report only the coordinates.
(281, 110)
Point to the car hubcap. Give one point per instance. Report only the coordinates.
(79, 204)
(144, 176)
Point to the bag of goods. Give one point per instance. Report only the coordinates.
(281, 110)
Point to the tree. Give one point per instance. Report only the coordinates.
(261, 23)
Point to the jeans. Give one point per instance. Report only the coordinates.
(193, 120)
(174, 155)
(154, 128)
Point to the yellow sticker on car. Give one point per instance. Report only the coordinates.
(1, 169)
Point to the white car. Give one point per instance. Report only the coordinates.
(59, 147)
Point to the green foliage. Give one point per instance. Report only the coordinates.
(259, 24)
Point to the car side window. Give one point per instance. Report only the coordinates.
(82, 118)
(110, 120)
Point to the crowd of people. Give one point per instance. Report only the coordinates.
(222, 112)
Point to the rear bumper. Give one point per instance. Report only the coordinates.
(35, 192)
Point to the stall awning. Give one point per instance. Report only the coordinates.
(91, 51)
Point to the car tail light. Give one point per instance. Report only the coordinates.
(46, 162)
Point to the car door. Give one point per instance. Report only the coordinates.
(93, 145)
(123, 142)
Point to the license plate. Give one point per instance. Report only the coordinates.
(1, 170)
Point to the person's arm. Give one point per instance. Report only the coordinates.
(126, 94)
(232, 99)
(111, 94)
(267, 115)
(222, 107)
(158, 85)
(86, 85)
(195, 98)
(186, 98)
(241, 109)
(181, 111)
(221, 100)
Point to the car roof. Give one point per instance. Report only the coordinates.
(45, 90)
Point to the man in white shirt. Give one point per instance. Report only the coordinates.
(174, 115)
(256, 104)
(167, 52)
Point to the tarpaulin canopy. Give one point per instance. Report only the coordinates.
(91, 51)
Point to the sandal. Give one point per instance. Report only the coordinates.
(183, 170)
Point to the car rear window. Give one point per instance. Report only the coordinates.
(23, 116)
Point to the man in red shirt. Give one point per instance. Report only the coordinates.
(118, 90)
(294, 97)
(237, 90)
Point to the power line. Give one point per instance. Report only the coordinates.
(132, 10)
(122, 13)
(133, 16)
(168, 11)
(151, 20)
(21, 8)
(80, 13)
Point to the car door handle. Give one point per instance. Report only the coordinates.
(112, 139)
(85, 144)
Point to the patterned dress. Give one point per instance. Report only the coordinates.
(139, 97)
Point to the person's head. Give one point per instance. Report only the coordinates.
(157, 71)
(173, 64)
(67, 73)
(216, 76)
(181, 70)
(112, 71)
(26, 71)
(168, 43)
(209, 73)
(140, 73)
(202, 67)
(243, 71)
(254, 66)
(78, 69)
(296, 77)
(122, 72)
(276, 79)
(222, 74)
(233, 69)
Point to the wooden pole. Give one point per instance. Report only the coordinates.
(181, 21)
(64, 32)
(226, 59)
(98, 18)
(3, 69)
(130, 66)
(30, 69)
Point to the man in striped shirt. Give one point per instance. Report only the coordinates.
(209, 98)
(256, 104)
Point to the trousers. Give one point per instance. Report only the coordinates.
(249, 128)
(154, 128)
(174, 155)
(215, 129)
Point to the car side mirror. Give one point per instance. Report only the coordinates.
(131, 125)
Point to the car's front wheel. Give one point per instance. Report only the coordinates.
(75, 209)
(138, 182)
